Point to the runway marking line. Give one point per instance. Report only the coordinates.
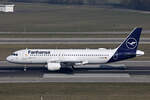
(86, 76)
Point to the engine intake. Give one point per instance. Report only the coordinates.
(53, 66)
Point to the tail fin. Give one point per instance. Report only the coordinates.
(130, 44)
(128, 47)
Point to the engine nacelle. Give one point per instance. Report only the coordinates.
(53, 66)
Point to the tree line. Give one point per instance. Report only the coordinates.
(136, 4)
(78, 2)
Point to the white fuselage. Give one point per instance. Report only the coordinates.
(84, 56)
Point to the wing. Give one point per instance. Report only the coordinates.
(57, 64)
(65, 61)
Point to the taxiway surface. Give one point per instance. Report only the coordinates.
(67, 40)
(10, 73)
(106, 32)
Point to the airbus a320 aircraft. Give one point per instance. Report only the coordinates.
(55, 59)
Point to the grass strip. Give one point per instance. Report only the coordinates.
(75, 91)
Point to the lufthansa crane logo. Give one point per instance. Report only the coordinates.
(131, 43)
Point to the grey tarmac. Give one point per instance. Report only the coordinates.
(67, 40)
(106, 32)
(127, 71)
(126, 63)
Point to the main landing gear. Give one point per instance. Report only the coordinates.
(69, 69)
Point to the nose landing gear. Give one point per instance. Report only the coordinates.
(25, 68)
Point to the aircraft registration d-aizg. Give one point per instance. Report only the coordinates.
(55, 59)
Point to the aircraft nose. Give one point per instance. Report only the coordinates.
(9, 58)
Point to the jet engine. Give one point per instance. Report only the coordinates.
(53, 66)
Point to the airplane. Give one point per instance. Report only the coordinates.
(55, 59)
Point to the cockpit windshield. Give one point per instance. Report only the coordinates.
(14, 54)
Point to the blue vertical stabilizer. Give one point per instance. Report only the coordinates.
(128, 47)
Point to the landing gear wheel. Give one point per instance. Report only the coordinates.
(73, 67)
(68, 70)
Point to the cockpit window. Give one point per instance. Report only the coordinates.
(14, 54)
